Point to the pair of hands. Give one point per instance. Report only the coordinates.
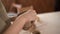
(27, 16)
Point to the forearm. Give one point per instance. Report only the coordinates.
(16, 27)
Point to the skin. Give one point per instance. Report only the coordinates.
(20, 21)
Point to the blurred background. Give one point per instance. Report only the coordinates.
(41, 6)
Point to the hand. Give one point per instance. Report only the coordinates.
(28, 16)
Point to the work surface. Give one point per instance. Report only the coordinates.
(50, 23)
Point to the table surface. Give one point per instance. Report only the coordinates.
(50, 23)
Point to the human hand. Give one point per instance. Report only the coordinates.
(27, 16)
